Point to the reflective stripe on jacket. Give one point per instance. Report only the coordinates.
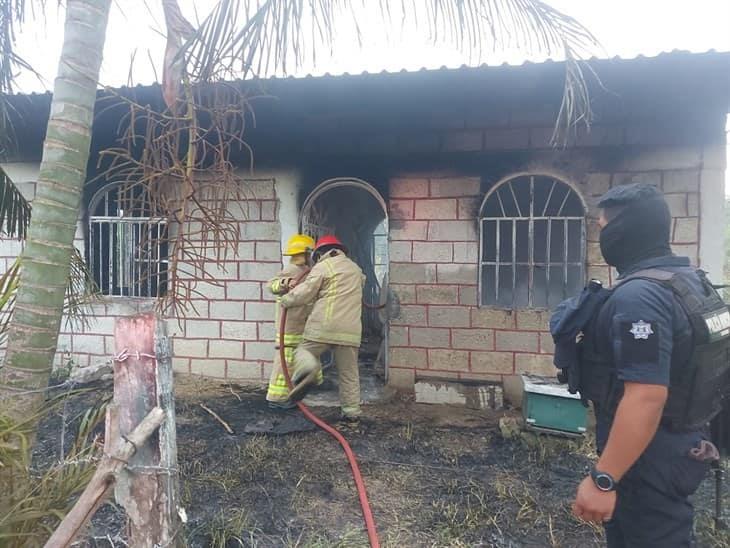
(295, 318)
(335, 287)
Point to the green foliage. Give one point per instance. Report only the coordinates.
(41, 500)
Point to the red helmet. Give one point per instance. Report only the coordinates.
(328, 240)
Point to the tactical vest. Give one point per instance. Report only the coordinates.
(697, 387)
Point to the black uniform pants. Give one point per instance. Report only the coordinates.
(653, 509)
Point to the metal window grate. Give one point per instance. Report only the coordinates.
(532, 243)
(127, 243)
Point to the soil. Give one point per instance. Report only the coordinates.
(436, 476)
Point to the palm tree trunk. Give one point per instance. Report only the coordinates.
(33, 334)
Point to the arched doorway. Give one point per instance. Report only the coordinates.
(355, 212)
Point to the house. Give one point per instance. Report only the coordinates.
(446, 187)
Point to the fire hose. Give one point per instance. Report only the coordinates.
(359, 483)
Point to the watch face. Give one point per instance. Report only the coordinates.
(604, 482)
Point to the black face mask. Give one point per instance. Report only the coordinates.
(640, 231)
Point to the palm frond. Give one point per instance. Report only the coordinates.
(14, 209)
(81, 293)
(254, 38)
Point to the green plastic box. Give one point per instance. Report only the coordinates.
(548, 406)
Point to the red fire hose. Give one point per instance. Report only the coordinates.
(361, 492)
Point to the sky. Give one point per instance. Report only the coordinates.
(625, 28)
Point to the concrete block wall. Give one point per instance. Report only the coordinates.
(441, 332)
(230, 332)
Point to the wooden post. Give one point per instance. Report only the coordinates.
(147, 488)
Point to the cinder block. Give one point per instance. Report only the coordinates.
(401, 209)
(547, 346)
(452, 231)
(455, 187)
(244, 331)
(269, 210)
(693, 205)
(428, 337)
(469, 208)
(449, 360)
(243, 291)
(714, 157)
(227, 270)
(225, 349)
(649, 178)
(593, 230)
(535, 364)
(456, 273)
(88, 344)
(406, 294)
(677, 204)
(181, 365)
(466, 252)
(437, 294)
(400, 252)
(517, 341)
(498, 363)
(258, 272)
(401, 379)
(260, 189)
(686, 230)
(594, 254)
(408, 188)
(246, 251)
(432, 252)
(203, 328)
(687, 250)
(267, 331)
(444, 208)
(412, 315)
(259, 351)
(225, 310)
(473, 339)
(597, 184)
(416, 358)
(258, 312)
(408, 230)
(534, 320)
(686, 180)
(207, 290)
(268, 251)
(468, 295)
(190, 348)
(464, 140)
(421, 142)
(448, 316)
(663, 158)
(492, 317)
(260, 230)
(407, 273)
(398, 335)
(209, 368)
(244, 370)
(502, 139)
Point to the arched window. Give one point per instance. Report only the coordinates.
(127, 242)
(532, 240)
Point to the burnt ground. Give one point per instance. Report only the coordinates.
(436, 476)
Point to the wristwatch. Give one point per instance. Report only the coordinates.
(602, 480)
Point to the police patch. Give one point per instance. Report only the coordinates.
(641, 330)
(639, 342)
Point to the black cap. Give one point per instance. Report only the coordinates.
(626, 194)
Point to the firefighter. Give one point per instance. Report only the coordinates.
(299, 249)
(335, 287)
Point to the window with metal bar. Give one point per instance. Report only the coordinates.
(127, 243)
(532, 243)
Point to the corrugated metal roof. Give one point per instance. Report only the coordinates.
(451, 70)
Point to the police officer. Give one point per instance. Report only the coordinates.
(648, 465)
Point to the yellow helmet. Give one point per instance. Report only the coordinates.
(299, 243)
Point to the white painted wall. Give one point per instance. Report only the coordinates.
(712, 212)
